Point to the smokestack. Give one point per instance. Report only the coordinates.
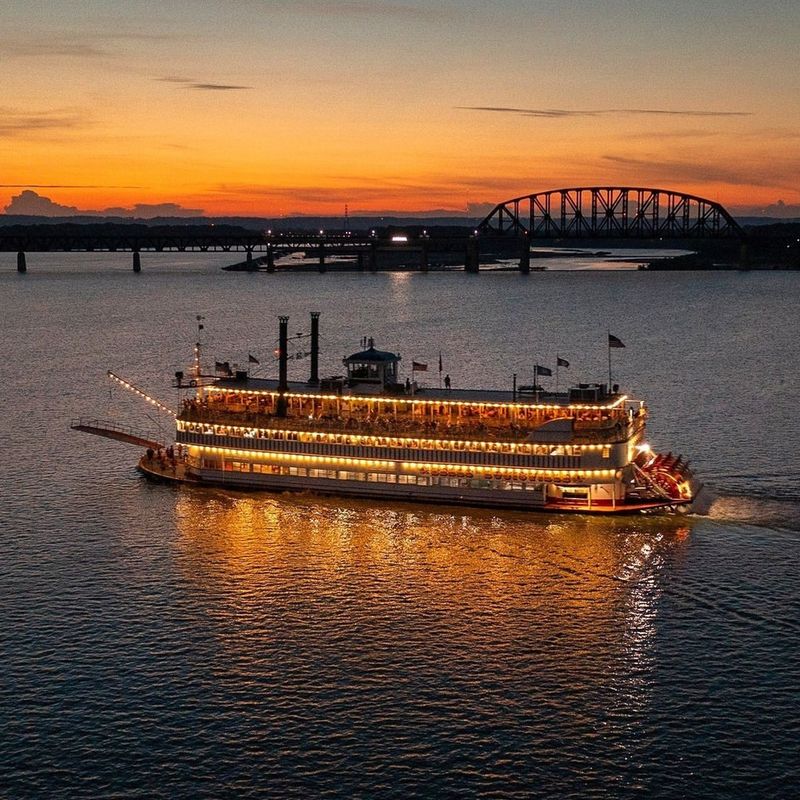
(283, 364)
(314, 377)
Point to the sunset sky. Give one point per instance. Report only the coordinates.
(278, 107)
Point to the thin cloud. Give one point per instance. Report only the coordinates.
(14, 123)
(64, 186)
(51, 46)
(564, 113)
(86, 46)
(194, 84)
(217, 87)
(662, 135)
(138, 36)
(354, 8)
(443, 190)
(773, 176)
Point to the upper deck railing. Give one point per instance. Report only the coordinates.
(603, 431)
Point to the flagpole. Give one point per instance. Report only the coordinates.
(608, 342)
(557, 373)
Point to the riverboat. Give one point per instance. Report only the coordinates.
(368, 434)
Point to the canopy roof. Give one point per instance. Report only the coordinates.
(372, 355)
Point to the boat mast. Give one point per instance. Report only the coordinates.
(197, 350)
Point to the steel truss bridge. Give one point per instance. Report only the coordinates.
(610, 212)
(601, 212)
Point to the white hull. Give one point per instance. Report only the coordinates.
(526, 500)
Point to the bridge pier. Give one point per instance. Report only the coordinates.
(270, 259)
(423, 256)
(249, 259)
(373, 256)
(360, 260)
(744, 256)
(22, 265)
(472, 256)
(137, 261)
(525, 256)
(322, 267)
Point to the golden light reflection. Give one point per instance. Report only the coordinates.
(584, 585)
(641, 571)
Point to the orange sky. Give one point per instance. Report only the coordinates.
(271, 108)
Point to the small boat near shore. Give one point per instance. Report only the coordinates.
(367, 433)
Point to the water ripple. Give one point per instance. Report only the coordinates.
(201, 643)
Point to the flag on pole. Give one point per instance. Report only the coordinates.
(613, 341)
(418, 366)
(537, 370)
(252, 359)
(561, 362)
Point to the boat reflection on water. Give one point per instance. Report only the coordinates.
(340, 587)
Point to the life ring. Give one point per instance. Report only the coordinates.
(192, 382)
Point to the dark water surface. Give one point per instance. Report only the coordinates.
(198, 643)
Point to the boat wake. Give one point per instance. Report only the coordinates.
(768, 510)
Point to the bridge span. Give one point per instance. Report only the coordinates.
(611, 212)
(561, 216)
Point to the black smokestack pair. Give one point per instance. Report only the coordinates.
(283, 358)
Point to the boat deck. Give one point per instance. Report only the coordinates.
(430, 393)
(165, 470)
(162, 470)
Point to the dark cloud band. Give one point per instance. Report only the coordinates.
(193, 83)
(559, 113)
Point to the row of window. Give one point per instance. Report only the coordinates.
(518, 448)
(452, 481)
(384, 454)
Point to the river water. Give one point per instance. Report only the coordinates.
(161, 642)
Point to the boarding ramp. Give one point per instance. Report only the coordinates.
(111, 430)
